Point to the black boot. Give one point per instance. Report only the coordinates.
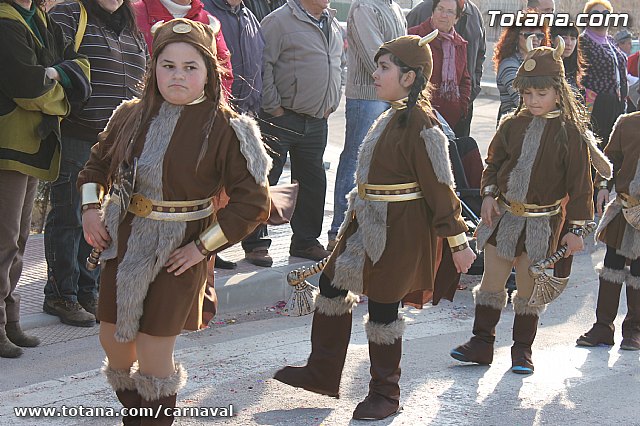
(607, 308)
(385, 352)
(330, 335)
(479, 348)
(125, 389)
(631, 323)
(525, 328)
(160, 392)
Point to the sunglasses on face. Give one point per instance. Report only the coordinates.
(599, 12)
(540, 36)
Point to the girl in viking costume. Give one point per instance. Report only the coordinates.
(540, 154)
(619, 229)
(187, 145)
(404, 199)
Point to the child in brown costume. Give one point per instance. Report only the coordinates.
(539, 155)
(188, 145)
(404, 199)
(619, 229)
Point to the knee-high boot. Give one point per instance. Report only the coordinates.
(525, 328)
(631, 323)
(385, 352)
(125, 389)
(160, 392)
(607, 308)
(479, 348)
(330, 335)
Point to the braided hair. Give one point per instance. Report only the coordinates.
(420, 90)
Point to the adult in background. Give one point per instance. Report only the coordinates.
(246, 43)
(470, 26)
(370, 23)
(118, 56)
(451, 80)
(41, 75)
(262, 8)
(149, 12)
(541, 6)
(604, 79)
(302, 79)
(571, 57)
(508, 54)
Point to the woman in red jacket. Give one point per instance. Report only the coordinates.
(452, 92)
(148, 12)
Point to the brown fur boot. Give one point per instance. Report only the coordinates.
(607, 308)
(160, 392)
(385, 352)
(525, 328)
(479, 348)
(125, 389)
(631, 323)
(330, 335)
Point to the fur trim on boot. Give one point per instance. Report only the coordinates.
(384, 334)
(120, 379)
(153, 388)
(336, 306)
(633, 282)
(492, 300)
(617, 276)
(521, 306)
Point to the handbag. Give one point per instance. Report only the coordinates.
(283, 203)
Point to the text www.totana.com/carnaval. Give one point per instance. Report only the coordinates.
(82, 411)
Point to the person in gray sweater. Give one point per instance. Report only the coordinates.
(369, 24)
(302, 82)
(471, 27)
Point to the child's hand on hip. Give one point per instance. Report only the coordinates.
(183, 258)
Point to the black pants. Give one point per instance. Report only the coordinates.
(381, 313)
(304, 139)
(616, 261)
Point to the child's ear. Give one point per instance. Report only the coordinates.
(408, 79)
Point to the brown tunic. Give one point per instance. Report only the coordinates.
(623, 150)
(175, 303)
(408, 259)
(561, 167)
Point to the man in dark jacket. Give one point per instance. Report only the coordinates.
(471, 27)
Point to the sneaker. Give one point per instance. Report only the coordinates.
(331, 245)
(259, 257)
(71, 313)
(316, 252)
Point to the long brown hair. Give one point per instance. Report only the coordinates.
(572, 110)
(128, 128)
(507, 45)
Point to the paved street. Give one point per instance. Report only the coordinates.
(232, 362)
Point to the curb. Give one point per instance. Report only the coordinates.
(236, 293)
(489, 88)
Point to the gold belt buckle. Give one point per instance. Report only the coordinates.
(517, 208)
(141, 205)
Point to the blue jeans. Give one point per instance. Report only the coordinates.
(65, 248)
(360, 115)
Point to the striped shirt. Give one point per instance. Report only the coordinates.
(509, 96)
(118, 64)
